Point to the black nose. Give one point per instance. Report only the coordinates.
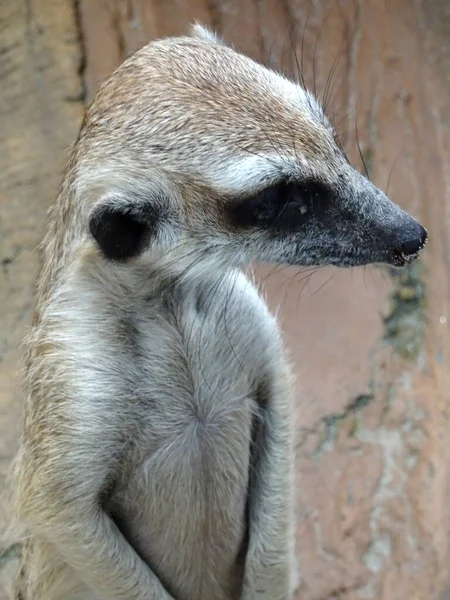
(415, 244)
(410, 247)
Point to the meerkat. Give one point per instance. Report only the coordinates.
(156, 460)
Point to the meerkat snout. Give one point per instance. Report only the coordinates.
(248, 161)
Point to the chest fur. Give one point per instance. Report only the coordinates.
(190, 473)
(171, 389)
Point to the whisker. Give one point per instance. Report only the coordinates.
(328, 88)
(391, 172)
(360, 151)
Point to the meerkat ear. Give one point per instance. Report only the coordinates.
(203, 33)
(124, 229)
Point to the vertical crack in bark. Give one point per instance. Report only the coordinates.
(121, 43)
(82, 49)
(216, 16)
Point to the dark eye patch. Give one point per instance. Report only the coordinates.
(281, 207)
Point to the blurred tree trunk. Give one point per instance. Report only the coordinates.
(370, 347)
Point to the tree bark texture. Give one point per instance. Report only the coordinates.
(371, 347)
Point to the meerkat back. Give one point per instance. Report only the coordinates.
(156, 458)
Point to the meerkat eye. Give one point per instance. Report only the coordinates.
(281, 207)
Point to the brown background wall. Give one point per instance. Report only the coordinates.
(371, 349)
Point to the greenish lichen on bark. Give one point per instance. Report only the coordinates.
(405, 324)
(330, 423)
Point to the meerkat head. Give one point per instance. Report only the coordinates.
(191, 147)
